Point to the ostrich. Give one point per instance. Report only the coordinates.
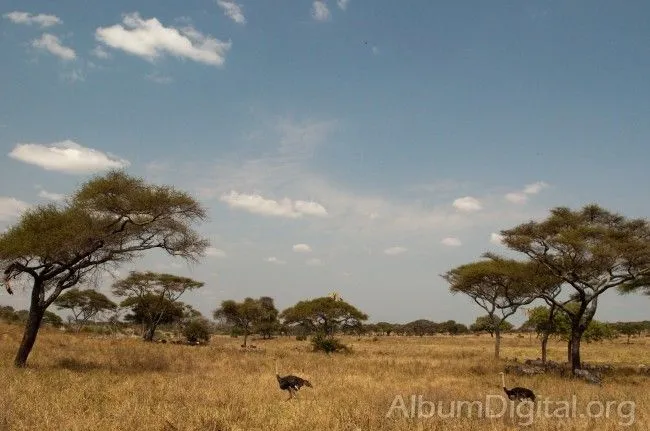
(291, 383)
(517, 393)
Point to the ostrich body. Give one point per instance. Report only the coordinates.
(291, 383)
(517, 393)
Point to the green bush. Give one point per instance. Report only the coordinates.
(197, 330)
(328, 344)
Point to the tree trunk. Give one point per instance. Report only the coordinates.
(497, 343)
(544, 344)
(574, 347)
(245, 337)
(36, 312)
(149, 333)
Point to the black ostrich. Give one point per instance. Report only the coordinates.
(291, 383)
(517, 393)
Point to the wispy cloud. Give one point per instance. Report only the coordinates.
(394, 251)
(52, 196)
(214, 252)
(320, 11)
(10, 208)
(496, 238)
(521, 197)
(27, 18)
(301, 248)
(149, 39)
(314, 262)
(100, 52)
(451, 242)
(66, 156)
(257, 204)
(52, 44)
(343, 4)
(232, 11)
(467, 204)
(158, 78)
(275, 260)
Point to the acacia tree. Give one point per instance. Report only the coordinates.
(153, 297)
(591, 250)
(84, 304)
(500, 286)
(324, 315)
(268, 321)
(109, 220)
(243, 315)
(546, 322)
(485, 323)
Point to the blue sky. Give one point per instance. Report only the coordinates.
(363, 147)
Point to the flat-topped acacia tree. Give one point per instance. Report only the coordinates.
(109, 220)
(591, 250)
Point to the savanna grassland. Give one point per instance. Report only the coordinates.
(86, 382)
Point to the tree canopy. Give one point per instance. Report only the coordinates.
(325, 314)
(111, 219)
(84, 304)
(153, 297)
(245, 315)
(591, 250)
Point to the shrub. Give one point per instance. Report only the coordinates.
(197, 330)
(328, 344)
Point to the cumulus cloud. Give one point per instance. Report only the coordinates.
(66, 156)
(232, 11)
(301, 248)
(521, 197)
(52, 44)
(214, 252)
(319, 11)
(10, 208)
(314, 262)
(467, 204)
(343, 4)
(257, 204)
(27, 18)
(496, 238)
(149, 39)
(451, 242)
(52, 196)
(275, 260)
(394, 251)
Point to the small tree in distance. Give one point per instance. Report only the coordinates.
(84, 304)
(486, 324)
(244, 316)
(153, 298)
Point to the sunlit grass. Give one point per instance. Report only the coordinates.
(83, 382)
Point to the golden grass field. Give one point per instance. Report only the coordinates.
(85, 382)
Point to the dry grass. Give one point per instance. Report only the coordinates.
(81, 382)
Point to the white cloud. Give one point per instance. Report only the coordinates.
(451, 242)
(52, 44)
(516, 197)
(394, 251)
(10, 208)
(232, 11)
(214, 252)
(52, 196)
(467, 204)
(66, 156)
(522, 196)
(533, 189)
(100, 52)
(275, 260)
(301, 248)
(257, 204)
(29, 19)
(496, 238)
(343, 4)
(314, 262)
(319, 11)
(150, 40)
